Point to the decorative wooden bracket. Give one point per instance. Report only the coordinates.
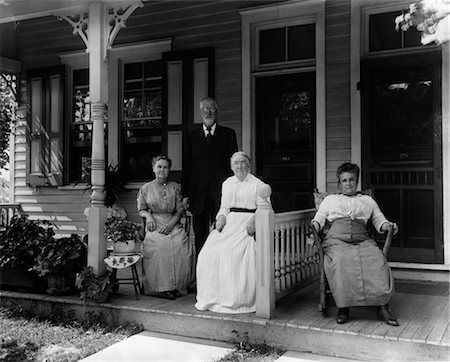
(79, 23)
(117, 21)
(117, 18)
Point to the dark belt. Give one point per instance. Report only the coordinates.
(239, 209)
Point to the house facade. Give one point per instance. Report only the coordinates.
(306, 85)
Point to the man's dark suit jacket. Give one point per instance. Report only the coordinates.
(205, 166)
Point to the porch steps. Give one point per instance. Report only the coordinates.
(298, 326)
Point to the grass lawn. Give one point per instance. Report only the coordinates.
(25, 338)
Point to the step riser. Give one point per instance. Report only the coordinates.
(277, 335)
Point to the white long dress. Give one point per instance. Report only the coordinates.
(226, 266)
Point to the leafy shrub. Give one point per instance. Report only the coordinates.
(22, 242)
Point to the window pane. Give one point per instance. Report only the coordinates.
(403, 114)
(412, 37)
(81, 125)
(382, 33)
(272, 46)
(301, 42)
(141, 131)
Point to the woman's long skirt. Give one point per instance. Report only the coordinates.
(356, 269)
(226, 268)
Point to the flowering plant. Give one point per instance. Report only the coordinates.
(117, 229)
(431, 17)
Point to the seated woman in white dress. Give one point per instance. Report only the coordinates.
(167, 263)
(226, 266)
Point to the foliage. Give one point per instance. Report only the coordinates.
(117, 229)
(7, 115)
(93, 286)
(63, 255)
(54, 339)
(247, 352)
(22, 242)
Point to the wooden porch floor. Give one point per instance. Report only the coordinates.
(422, 311)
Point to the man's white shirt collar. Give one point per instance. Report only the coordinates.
(213, 129)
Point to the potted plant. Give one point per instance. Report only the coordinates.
(94, 287)
(123, 233)
(20, 244)
(60, 260)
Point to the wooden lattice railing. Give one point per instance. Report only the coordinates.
(7, 211)
(285, 258)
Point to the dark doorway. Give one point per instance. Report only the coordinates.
(402, 150)
(285, 143)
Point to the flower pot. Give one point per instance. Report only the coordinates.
(21, 280)
(124, 248)
(102, 297)
(61, 284)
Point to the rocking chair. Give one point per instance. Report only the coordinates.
(325, 292)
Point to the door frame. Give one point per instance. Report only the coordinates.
(359, 9)
(281, 14)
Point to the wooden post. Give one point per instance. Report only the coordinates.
(98, 81)
(265, 287)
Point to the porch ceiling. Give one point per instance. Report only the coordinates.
(16, 10)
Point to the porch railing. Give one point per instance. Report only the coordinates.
(7, 211)
(286, 260)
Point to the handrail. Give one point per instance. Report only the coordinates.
(284, 258)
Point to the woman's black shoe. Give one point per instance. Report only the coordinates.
(164, 295)
(342, 316)
(176, 293)
(384, 314)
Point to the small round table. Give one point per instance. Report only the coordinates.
(123, 261)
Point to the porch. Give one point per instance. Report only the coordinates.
(422, 310)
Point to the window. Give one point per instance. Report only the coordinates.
(285, 44)
(46, 90)
(80, 127)
(383, 36)
(141, 124)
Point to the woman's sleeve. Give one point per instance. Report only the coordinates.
(141, 203)
(178, 198)
(377, 218)
(225, 200)
(322, 213)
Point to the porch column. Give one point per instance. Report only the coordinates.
(265, 273)
(98, 88)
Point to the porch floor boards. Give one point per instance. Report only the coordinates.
(424, 321)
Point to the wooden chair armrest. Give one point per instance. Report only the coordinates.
(388, 242)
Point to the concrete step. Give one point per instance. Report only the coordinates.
(148, 346)
(292, 356)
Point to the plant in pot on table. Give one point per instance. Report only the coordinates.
(60, 260)
(20, 244)
(123, 233)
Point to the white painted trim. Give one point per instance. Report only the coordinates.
(357, 7)
(141, 51)
(446, 149)
(283, 13)
(75, 60)
(418, 266)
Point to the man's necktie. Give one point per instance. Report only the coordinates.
(208, 134)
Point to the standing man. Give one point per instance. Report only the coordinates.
(206, 164)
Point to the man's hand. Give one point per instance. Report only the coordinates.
(186, 203)
(220, 222)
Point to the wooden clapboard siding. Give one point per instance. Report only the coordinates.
(337, 87)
